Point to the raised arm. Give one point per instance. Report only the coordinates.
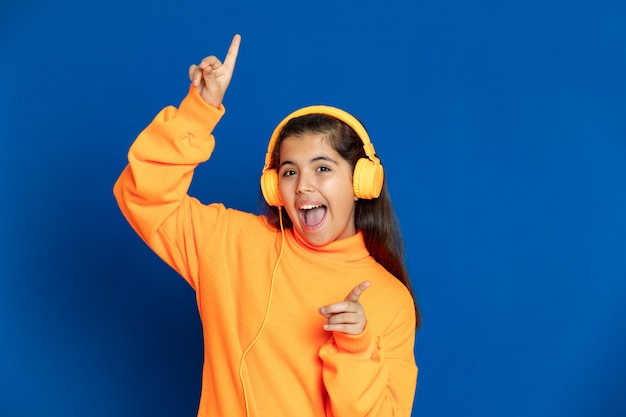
(152, 189)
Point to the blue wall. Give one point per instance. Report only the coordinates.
(502, 126)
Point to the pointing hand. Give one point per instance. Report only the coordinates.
(211, 77)
(347, 316)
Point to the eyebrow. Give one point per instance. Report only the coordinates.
(316, 159)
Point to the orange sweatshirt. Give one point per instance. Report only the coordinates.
(266, 353)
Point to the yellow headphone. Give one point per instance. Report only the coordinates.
(367, 179)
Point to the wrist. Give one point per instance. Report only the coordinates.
(354, 343)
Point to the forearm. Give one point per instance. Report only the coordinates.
(369, 376)
(152, 189)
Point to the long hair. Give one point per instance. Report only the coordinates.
(375, 218)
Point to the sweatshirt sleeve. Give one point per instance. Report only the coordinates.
(371, 375)
(152, 189)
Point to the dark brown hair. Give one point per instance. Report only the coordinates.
(375, 218)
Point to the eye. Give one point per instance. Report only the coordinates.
(323, 169)
(288, 172)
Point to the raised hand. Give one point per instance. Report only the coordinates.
(211, 77)
(347, 316)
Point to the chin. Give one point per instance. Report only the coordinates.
(314, 240)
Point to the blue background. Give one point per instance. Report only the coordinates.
(502, 126)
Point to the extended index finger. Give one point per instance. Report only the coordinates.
(233, 51)
(357, 291)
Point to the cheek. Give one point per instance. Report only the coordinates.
(346, 186)
(285, 189)
(282, 188)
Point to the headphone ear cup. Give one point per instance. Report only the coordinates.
(367, 179)
(269, 188)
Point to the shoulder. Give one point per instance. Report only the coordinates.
(234, 234)
(244, 232)
(237, 221)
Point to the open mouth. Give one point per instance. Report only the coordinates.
(312, 215)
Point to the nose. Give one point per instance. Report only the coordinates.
(305, 183)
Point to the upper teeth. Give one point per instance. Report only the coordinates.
(309, 206)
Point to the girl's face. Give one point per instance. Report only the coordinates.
(315, 184)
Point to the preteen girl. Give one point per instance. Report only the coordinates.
(306, 310)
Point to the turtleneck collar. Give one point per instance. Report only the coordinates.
(350, 249)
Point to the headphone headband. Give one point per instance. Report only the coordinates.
(335, 112)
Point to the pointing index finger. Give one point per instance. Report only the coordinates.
(233, 51)
(357, 291)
